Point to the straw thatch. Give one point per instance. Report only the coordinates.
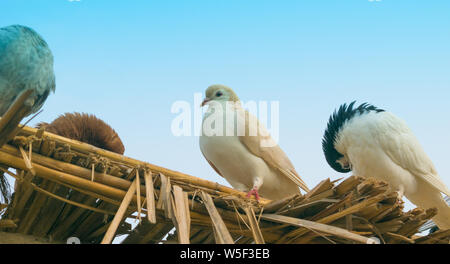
(85, 128)
(65, 188)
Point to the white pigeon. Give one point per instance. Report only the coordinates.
(371, 142)
(250, 162)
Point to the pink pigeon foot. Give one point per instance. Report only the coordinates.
(253, 191)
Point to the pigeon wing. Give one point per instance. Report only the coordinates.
(258, 141)
(404, 149)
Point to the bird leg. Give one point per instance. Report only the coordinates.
(253, 191)
(400, 192)
(256, 185)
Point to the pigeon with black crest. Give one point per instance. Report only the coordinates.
(372, 142)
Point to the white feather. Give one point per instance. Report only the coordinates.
(237, 164)
(381, 145)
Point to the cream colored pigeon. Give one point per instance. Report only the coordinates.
(250, 160)
(371, 142)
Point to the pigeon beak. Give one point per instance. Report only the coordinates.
(205, 101)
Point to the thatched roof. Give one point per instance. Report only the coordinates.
(65, 188)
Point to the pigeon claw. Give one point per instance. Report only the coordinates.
(254, 192)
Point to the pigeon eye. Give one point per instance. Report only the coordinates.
(219, 94)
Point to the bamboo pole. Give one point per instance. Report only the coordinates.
(434, 237)
(50, 212)
(400, 237)
(277, 205)
(25, 194)
(13, 116)
(219, 225)
(33, 212)
(256, 231)
(180, 215)
(71, 202)
(164, 196)
(138, 194)
(62, 199)
(103, 178)
(347, 185)
(351, 210)
(321, 187)
(109, 236)
(51, 174)
(15, 106)
(149, 192)
(339, 232)
(333, 208)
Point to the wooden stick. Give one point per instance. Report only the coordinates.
(30, 150)
(336, 231)
(219, 225)
(50, 174)
(27, 161)
(276, 205)
(351, 210)
(332, 209)
(39, 189)
(348, 218)
(434, 237)
(26, 222)
(109, 236)
(400, 237)
(4, 120)
(164, 197)
(256, 231)
(35, 187)
(188, 212)
(347, 185)
(13, 116)
(25, 194)
(149, 191)
(92, 172)
(321, 187)
(138, 194)
(180, 215)
(53, 164)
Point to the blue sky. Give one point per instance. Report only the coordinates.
(129, 61)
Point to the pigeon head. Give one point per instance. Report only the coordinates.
(219, 93)
(335, 125)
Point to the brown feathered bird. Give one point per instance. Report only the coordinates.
(85, 128)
